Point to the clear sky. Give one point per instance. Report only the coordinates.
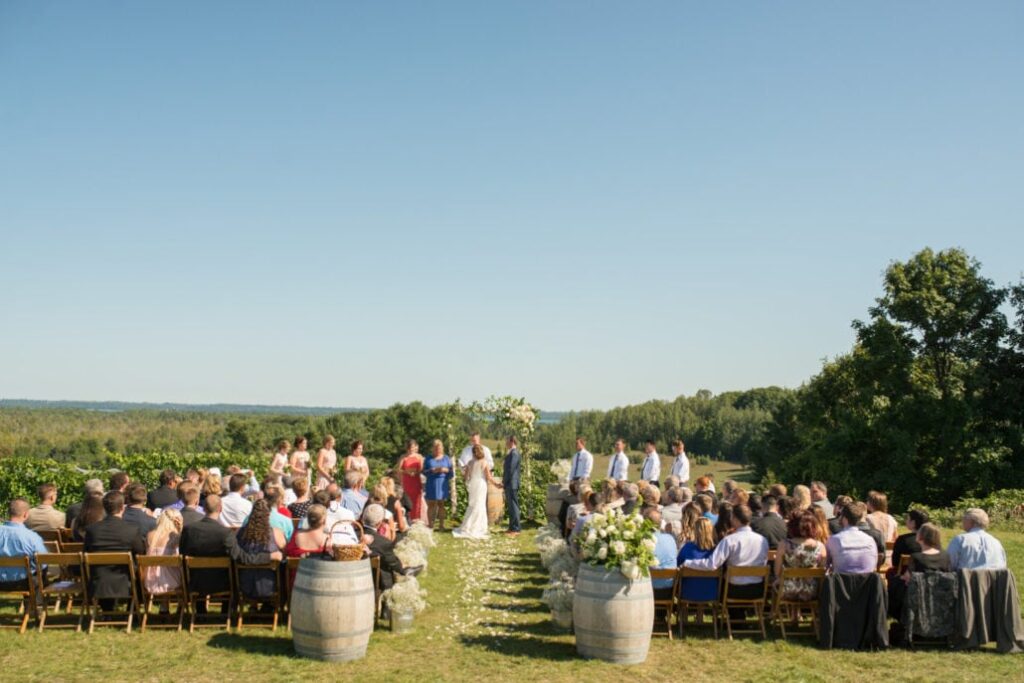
(588, 204)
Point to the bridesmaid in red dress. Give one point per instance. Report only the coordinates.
(411, 467)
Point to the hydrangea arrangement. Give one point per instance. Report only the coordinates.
(616, 541)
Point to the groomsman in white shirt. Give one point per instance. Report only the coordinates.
(618, 466)
(651, 470)
(681, 464)
(466, 456)
(582, 462)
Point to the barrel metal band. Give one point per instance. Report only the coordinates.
(321, 635)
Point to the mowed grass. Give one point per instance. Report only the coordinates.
(485, 621)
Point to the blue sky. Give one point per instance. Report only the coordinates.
(589, 204)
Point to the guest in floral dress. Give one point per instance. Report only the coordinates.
(801, 550)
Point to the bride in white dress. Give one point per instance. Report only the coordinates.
(478, 474)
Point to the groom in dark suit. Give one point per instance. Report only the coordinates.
(510, 482)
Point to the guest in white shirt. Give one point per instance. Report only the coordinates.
(651, 471)
(681, 464)
(466, 456)
(234, 508)
(742, 548)
(582, 462)
(618, 466)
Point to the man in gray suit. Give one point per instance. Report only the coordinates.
(510, 482)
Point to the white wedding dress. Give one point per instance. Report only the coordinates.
(474, 524)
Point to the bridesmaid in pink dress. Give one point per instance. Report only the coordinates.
(411, 468)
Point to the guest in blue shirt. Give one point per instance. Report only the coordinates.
(351, 498)
(976, 548)
(706, 504)
(700, 547)
(438, 470)
(664, 554)
(17, 540)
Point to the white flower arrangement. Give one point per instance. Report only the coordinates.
(549, 548)
(561, 469)
(563, 563)
(405, 596)
(410, 553)
(559, 593)
(617, 541)
(422, 534)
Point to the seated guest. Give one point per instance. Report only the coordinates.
(876, 536)
(650, 499)
(378, 546)
(699, 547)
(302, 501)
(672, 512)
(567, 502)
(879, 518)
(787, 506)
(179, 491)
(724, 525)
(705, 503)
(119, 481)
(313, 540)
(167, 493)
(770, 524)
(671, 481)
(398, 504)
(801, 498)
(931, 557)
(164, 539)
(90, 512)
(729, 487)
(834, 524)
(907, 544)
(591, 504)
(259, 536)
(17, 540)
(976, 548)
(778, 490)
(756, 505)
(352, 499)
(741, 548)
(711, 482)
(819, 514)
(211, 486)
(45, 516)
(136, 513)
(852, 551)
(691, 513)
(192, 512)
(701, 485)
(802, 549)
(819, 496)
(91, 487)
(578, 509)
(234, 508)
(664, 554)
(272, 494)
(630, 495)
(112, 535)
(343, 534)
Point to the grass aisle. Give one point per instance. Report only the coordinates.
(484, 621)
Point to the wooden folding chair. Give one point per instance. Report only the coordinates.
(52, 546)
(69, 586)
(94, 560)
(375, 570)
(794, 608)
(64, 535)
(177, 595)
(200, 564)
(49, 535)
(904, 565)
(72, 547)
(713, 606)
(290, 569)
(757, 603)
(26, 598)
(241, 600)
(666, 604)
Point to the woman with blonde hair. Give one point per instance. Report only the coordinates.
(386, 528)
(163, 540)
(701, 547)
(801, 498)
(394, 504)
(279, 462)
(299, 461)
(355, 461)
(438, 471)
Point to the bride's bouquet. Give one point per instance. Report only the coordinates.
(616, 541)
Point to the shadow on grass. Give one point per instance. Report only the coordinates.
(269, 645)
(540, 628)
(516, 607)
(524, 593)
(521, 646)
(529, 580)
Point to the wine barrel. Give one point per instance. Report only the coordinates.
(495, 504)
(612, 616)
(553, 504)
(332, 609)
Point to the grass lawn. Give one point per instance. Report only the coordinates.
(720, 469)
(484, 620)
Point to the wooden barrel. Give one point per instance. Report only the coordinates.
(553, 504)
(332, 609)
(612, 616)
(495, 504)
